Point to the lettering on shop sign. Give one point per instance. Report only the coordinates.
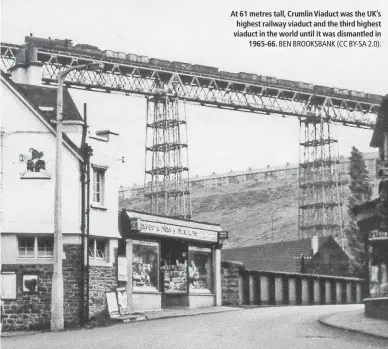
(378, 235)
(182, 232)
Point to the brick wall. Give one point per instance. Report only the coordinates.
(102, 279)
(29, 311)
(230, 281)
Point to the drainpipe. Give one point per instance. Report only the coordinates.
(1, 190)
(83, 217)
(87, 164)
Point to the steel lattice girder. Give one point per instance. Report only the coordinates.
(220, 92)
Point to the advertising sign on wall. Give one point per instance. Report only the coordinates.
(122, 269)
(378, 235)
(154, 228)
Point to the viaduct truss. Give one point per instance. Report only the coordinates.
(320, 200)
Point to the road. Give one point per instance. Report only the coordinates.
(280, 327)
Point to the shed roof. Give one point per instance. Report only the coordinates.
(281, 256)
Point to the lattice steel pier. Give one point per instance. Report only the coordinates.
(320, 188)
(166, 172)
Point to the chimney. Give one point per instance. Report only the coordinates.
(27, 69)
(314, 244)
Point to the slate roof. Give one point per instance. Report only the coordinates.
(43, 96)
(46, 97)
(280, 256)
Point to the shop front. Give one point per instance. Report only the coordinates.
(171, 262)
(370, 219)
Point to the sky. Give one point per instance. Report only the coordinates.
(201, 32)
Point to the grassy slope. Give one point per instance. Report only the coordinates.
(252, 213)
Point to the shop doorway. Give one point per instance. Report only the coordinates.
(174, 272)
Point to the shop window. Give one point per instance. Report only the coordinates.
(174, 266)
(98, 185)
(145, 262)
(379, 277)
(98, 249)
(200, 269)
(36, 247)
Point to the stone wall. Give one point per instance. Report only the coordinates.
(72, 284)
(376, 308)
(102, 279)
(29, 311)
(241, 286)
(230, 281)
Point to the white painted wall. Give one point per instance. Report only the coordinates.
(104, 220)
(28, 204)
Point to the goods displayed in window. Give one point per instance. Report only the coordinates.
(379, 276)
(175, 277)
(145, 265)
(200, 273)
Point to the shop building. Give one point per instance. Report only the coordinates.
(372, 219)
(171, 262)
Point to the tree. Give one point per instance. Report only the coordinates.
(360, 191)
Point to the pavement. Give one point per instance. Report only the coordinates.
(356, 321)
(148, 315)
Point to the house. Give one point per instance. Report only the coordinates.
(372, 219)
(312, 256)
(27, 205)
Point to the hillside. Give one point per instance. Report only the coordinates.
(252, 213)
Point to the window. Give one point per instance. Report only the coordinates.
(36, 247)
(379, 272)
(45, 247)
(145, 261)
(98, 249)
(98, 185)
(200, 270)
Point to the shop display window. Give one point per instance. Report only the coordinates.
(145, 262)
(200, 270)
(175, 277)
(379, 273)
(174, 267)
(379, 280)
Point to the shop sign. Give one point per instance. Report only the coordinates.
(200, 249)
(122, 301)
(175, 231)
(378, 235)
(223, 235)
(111, 300)
(122, 269)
